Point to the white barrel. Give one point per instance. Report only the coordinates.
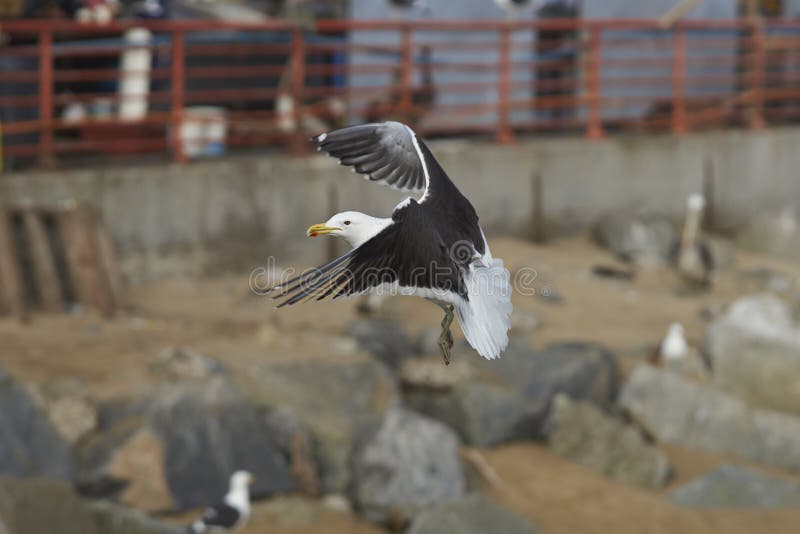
(134, 86)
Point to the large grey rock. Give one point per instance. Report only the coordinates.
(641, 238)
(384, 340)
(177, 447)
(29, 443)
(483, 414)
(474, 514)
(584, 434)
(773, 233)
(755, 352)
(181, 363)
(674, 410)
(69, 407)
(584, 371)
(404, 464)
(332, 399)
(733, 486)
(29, 506)
(508, 399)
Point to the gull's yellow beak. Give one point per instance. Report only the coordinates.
(320, 229)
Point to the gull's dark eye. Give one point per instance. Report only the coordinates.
(347, 223)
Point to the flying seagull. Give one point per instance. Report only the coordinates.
(232, 513)
(432, 247)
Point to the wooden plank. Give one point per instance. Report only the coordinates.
(83, 261)
(44, 266)
(108, 262)
(13, 292)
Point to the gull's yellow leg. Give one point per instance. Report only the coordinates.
(446, 338)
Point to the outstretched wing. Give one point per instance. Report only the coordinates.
(409, 253)
(387, 152)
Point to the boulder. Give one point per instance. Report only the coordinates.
(385, 340)
(773, 233)
(483, 414)
(38, 505)
(755, 352)
(29, 443)
(182, 363)
(733, 486)
(508, 399)
(331, 399)
(638, 237)
(295, 440)
(69, 407)
(176, 448)
(583, 371)
(127, 460)
(404, 464)
(675, 410)
(473, 514)
(581, 432)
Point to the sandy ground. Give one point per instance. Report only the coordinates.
(224, 319)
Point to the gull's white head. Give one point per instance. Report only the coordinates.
(241, 480)
(696, 202)
(352, 226)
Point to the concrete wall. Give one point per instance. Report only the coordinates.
(234, 213)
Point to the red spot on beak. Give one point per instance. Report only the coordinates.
(314, 234)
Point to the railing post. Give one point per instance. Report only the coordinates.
(504, 133)
(680, 120)
(46, 134)
(178, 93)
(298, 143)
(406, 69)
(757, 73)
(594, 123)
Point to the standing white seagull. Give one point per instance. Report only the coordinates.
(432, 247)
(232, 513)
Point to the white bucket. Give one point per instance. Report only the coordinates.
(204, 131)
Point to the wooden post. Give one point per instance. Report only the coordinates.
(538, 215)
(108, 262)
(504, 133)
(44, 266)
(594, 125)
(709, 192)
(680, 121)
(299, 143)
(178, 101)
(12, 292)
(757, 73)
(46, 154)
(406, 71)
(83, 260)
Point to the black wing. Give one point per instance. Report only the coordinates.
(410, 252)
(392, 154)
(384, 152)
(221, 515)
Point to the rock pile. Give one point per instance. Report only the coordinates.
(381, 434)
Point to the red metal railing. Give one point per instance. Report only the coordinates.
(276, 83)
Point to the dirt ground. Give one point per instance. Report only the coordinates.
(224, 319)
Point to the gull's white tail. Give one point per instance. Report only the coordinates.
(486, 318)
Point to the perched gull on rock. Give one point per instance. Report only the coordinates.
(232, 513)
(432, 247)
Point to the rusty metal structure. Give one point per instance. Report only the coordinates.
(279, 82)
